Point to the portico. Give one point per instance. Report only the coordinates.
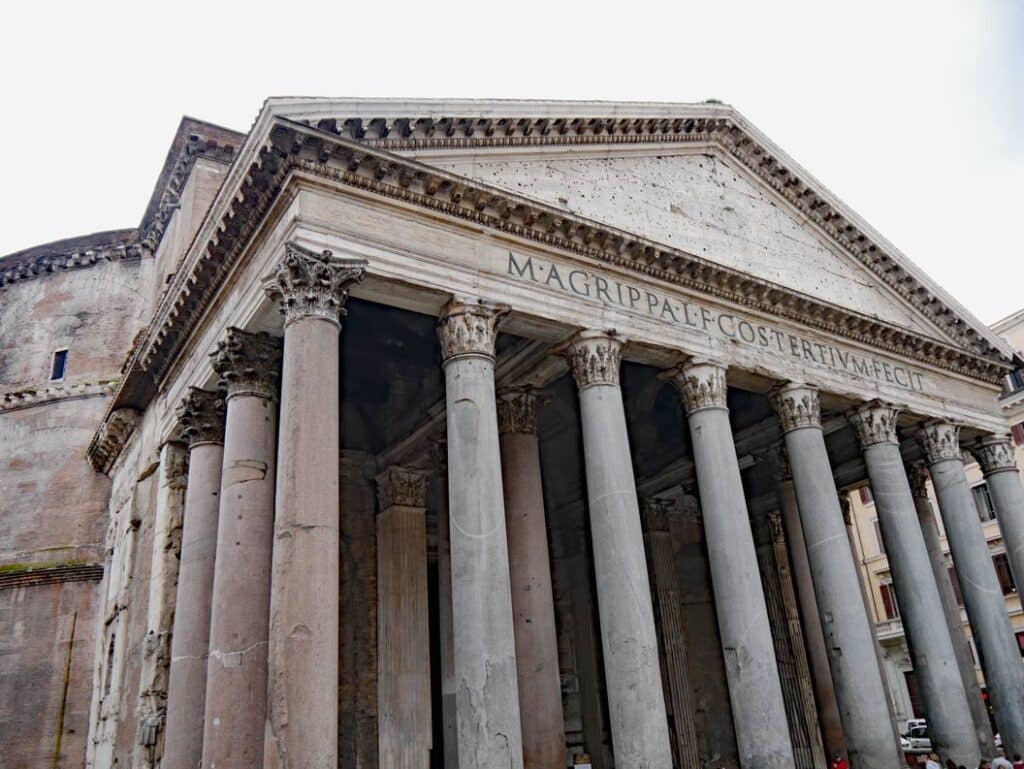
(509, 605)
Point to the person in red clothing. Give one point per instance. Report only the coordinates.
(839, 762)
(1017, 762)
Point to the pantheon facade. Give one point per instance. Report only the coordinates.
(478, 435)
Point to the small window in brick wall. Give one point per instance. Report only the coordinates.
(59, 365)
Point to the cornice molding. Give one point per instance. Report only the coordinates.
(28, 397)
(15, 268)
(111, 438)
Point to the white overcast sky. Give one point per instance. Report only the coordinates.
(912, 112)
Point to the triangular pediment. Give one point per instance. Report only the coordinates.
(750, 207)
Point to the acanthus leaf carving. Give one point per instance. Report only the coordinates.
(594, 358)
(517, 410)
(995, 454)
(201, 416)
(310, 285)
(468, 329)
(248, 363)
(940, 441)
(701, 385)
(875, 423)
(797, 406)
(402, 486)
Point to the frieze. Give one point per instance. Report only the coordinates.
(701, 385)
(875, 423)
(310, 285)
(995, 454)
(797, 406)
(402, 486)
(517, 410)
(594, 358)
(248, 364)
(591, 285)
(468, 329)
(201, 416)
(940, 441)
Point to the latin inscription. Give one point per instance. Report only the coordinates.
(614, 293)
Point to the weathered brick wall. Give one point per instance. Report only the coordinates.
(53, 505)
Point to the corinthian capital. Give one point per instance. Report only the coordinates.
(402, 486)
(701, 385)
(468, 329)
(995, 454)
(517, 410)
(875, 423)
(656, 513)
(310, 285)
(248, 364)
(797, 406)
(940, 441)
(201, 416)
(594, 357)
(917, 474)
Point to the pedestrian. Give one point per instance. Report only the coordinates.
(839, 762)
(985, 764)
(1017, 763)
(1001, 761)
(932, 762)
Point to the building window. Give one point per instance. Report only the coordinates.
(865, 495)
(983, 501)
(1014, 382)
(1018, 433)
(1006, 583)
(956, 586)
(892, 609)
(59, 364)
(878, 536)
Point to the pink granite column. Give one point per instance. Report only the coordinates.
(202, 423)
(403, 621)
(302, 728)
(533, 604)
(236, 672)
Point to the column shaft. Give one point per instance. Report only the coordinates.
(817, 652)
(533, 605)
(962, 647)
(403, 705)
(302, 729)
(236, 675)
(996, 457)
(755, 691)
(487, 701)
(949, 715)
(848, 633)
(636, 700)
(186, 691)
(983, 598)
(444, 600)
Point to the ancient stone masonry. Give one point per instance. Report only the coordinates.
(248, 364)
(797, 406)
(111, 438)
(940, 440)
(468, 329)
(201, 415)
(313, 285)
(700, 385)
(995, 454)
(594, 359)
(876, 424)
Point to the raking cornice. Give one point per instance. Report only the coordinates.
(280, 148)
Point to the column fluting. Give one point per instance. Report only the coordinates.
(636, 701)
(979, 585)
(949, 716)
(236, 672)
(487, 699)
(302, 729)
(859, 688)
(533, 604)
(755, 691)
(201, 417)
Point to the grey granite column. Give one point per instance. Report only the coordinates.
(202, 424)
(449, 734)
(762, 733)
(979, 585)
(236, 672)
(403, 618)
(945, 702)
(918, 476)
(533, 604)
(817, 652)
(995, 454)
(636, 700)
(302, 717)
(487, 699)
(859, 688)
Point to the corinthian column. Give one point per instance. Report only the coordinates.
(487, 700)
(918, 476)
(979, 585)
(236, 673)
(403, 684)
(533, 603)
(762, 734)
(201, 417)
(303, 688)
(450, 747)
(995, 454)
(858, 683)
(949, 715)
(636, 700)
